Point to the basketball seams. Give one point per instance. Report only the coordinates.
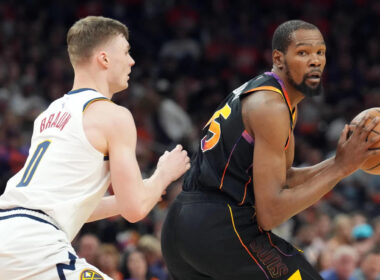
(373, 167)
(372, 164)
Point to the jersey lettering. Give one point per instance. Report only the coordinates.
(50, 120)
(59, 121)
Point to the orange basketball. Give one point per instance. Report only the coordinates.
(372, 165)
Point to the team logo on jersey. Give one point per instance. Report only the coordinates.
(89, 274)
(239, 90)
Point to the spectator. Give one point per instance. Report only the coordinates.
(151, 247)
(376, 226)
(88, 246)
(342, 227)
(137, 266)
(370, 266)
(108, 260)
(343, 264)
(34, 71)
(324, 260)
(318, 243)
(362, 235)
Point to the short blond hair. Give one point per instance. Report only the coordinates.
(149, 244)
(89, 32)
(110, 250)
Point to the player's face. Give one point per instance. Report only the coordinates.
(120, 63)
(305, 61)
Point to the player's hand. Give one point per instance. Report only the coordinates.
(353, 146)
(173, 164)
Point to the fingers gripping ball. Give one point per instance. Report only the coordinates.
(372, 165)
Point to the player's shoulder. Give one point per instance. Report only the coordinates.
(266, 111)
(259, 82)
(110, 114)
(265, 102)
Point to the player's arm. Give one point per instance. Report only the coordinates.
(267, 117)
(297, 175)
(106, 208)
(134, 198)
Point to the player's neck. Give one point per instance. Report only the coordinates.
(85, 79)
(295, 95)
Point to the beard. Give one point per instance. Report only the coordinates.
(303, 87)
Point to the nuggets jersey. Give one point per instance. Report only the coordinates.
(224, 160)
(64, 175)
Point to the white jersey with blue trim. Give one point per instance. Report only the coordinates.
(64, 175)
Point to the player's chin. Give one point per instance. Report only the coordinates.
(126, 82)
(124, 85)
(313, 83)
(121, 88)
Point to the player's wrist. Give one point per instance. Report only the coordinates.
(340, 170)
(163, 178)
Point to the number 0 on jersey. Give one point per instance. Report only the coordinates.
(32, 165)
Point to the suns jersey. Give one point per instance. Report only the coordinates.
(224, 159)
(64, 175)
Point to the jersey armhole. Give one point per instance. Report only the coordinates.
(291, 112)
(85, 106)
(89, 102)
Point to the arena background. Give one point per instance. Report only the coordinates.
(189, 55)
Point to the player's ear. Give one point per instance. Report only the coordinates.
(278, 59)
(102, 59)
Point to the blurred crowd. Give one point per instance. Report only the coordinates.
(189, 55)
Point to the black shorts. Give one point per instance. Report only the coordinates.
(207, 236)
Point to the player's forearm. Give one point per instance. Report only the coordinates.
(105, 209)
(142, 203)
(296, 176)
(145, 196)
(154, 187)
(291, 201)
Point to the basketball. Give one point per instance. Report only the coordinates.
(372, 165)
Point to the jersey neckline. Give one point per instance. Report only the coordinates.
(80, 90)
(286, 95)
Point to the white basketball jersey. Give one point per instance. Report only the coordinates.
(64, 175)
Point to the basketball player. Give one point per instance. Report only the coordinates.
(80, 144)
(241, 183)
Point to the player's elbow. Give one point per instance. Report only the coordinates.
(268, 220)
(265, 223)
(133, 217)
(133, 214)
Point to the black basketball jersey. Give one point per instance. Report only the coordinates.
(224, 160)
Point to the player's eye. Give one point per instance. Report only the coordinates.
(321, 52)
(301, 53)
